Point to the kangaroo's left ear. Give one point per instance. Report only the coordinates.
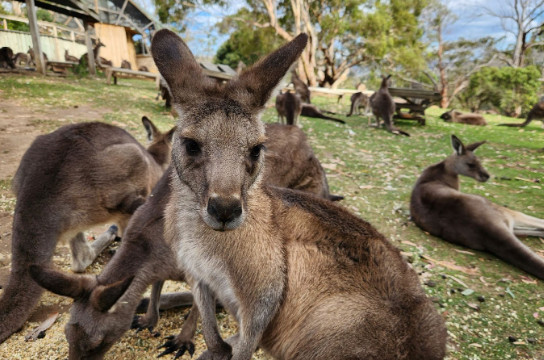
(457, 145)
(474, 146)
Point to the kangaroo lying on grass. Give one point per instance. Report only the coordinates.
(358, 101)
(383, 106)
(466, 118)
(70, 180)
(437, 206)
(288, 106)
(146, 257)
(292, 268)
(537, 112)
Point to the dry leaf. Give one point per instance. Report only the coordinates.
(453, 266)
(464, 252)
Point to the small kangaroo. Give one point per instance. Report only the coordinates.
(537, 112)
(437, 206)
(293, 269)
(143, 68)
(21, 58)
(76, 177)
(383, 106)
(145, 257)
(466, 118)
(125, 64)
(288, 106)
(358, 101)
(68, 57)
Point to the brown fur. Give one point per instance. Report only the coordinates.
(437, 206)
(301, 88)
(96, 51)
(143, 68)
(310, 110)
(358, 101)
(383, 107)
(288, 106)
(536, 112)
(76, 177)
(31, 54)
(6, 58)
(125, 64)
(466, 118)
(68, 57)
(21, 58)
(293, 269)
(147, 258)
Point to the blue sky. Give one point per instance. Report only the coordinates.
(472, 23)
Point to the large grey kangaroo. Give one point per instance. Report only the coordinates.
(70, 180)
(293, 269)
(288, 106)
(145, 257)
(383, 106)
(437, 206)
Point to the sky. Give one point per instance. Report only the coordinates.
(473, 22)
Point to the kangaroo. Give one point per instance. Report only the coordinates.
(68, 57)
(6, 58)
(301, 88)
(96, 50)
(310, 110)
(164, 92)
(358, 101)
(76, 177)
(288, 106)
(21, 58)
(383, 106)
(537, 112)
(437, 206)
(261, 250)
(125, 64)
(466, 118)
(31, 54)
(145, 256)
(143, 68)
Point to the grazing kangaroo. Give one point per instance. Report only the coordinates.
(537, 112)
(358, 101)
(76, 177)
(292, 268)
(125, 64)
(466, 118)
(383, 106)
(6, 58)
(437, 206)
(68, 57)
(288, 106)
(147, 258)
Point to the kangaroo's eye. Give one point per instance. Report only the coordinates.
(472, 166)
(256, 152)
(192, 147)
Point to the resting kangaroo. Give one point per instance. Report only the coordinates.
(437, 206)
(293, 269)
(383, 106)
(76, 177)
(537, 112)
(145, 256)
(288, 106)
(460, 118)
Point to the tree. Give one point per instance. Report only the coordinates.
(525, 20)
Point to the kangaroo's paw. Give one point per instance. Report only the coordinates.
(142, 322)
(208, 355)
(179, 344)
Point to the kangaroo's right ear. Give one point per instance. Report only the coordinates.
(457, 145)
(105, 296)
(150, 128)
(178, 67)
(74, 286)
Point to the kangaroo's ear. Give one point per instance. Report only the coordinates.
(170, 134)
(178, 67)
(74, 286)
(150, 128)
(255, 85)
(457, 145)
(105, 296)
(475, 145)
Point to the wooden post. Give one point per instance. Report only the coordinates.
(90, 53)
(34, 31)
(5, 24)
(57, 45)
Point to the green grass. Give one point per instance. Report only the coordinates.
(375, 171)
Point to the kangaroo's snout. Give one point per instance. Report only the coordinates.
(224, 210)
(483, 176)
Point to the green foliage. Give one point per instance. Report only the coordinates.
(173, 12)
(506, 89)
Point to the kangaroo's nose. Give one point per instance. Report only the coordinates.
(224, 210)
(484, 176)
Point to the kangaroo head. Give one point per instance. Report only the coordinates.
(464, 162)
(91, 330)
(160, 144)
(386, 82)
(447, 115)
(217, 150)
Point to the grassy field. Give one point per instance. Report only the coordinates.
(484, 300)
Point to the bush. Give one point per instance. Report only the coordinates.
(512, 91)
